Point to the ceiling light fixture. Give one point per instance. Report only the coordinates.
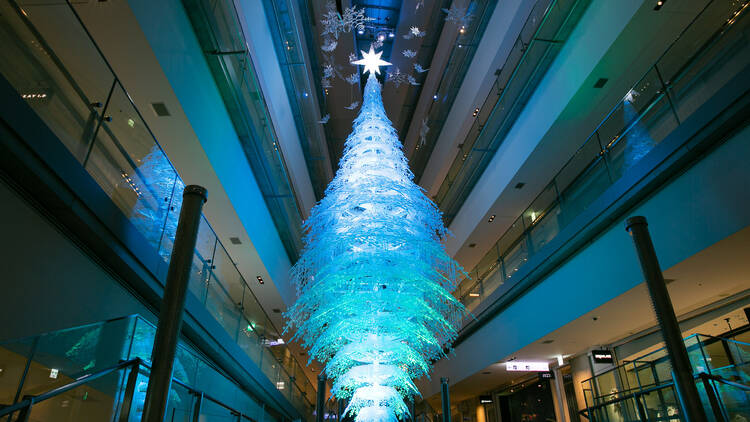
(491, 219)
(659, 4)
(476, 112)
(462, 29)
(260, 279)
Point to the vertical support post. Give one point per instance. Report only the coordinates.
(712, 399)
(445, 397)
(126, 405)
(173, 305)
(682, 371)
(198, 408)
(321, 402)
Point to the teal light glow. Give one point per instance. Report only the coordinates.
(374, 280)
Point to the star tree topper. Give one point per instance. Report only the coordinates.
(372, 61)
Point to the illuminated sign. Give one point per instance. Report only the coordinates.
(527, 366)
(602, 356)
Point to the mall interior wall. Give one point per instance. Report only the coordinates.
(695, 209)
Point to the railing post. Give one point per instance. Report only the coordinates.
(321, 402)
(712, 399)
(445, 397)
(173, 305)
(127, 398)
(682, 371)
(198, 407)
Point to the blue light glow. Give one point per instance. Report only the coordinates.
(374, 280)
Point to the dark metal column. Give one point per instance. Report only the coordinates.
(682, 371)
(445, 397)
(173, 305)
(321, 402)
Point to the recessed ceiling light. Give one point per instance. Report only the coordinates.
(260, 279)
(474, 294)
(519, 185)
(491, 219)
(472, 245)
(486, 372)
(276, 310)
(659, 4)
(547, 341)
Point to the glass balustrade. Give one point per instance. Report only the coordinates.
(39, 364)
(642, 389)
(57, 69)
(708, 52)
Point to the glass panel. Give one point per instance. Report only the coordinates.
(584, 191)
(13, 358)
(94, 401)
(516, 257)
(661, 405)
(42, 76)
(180, 404)
(202, 260)
(545, 228)
(62, 357)
(221, 307)
(226, 272)
(212, 412)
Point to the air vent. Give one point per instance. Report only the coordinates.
(235, 240)
(548, 341)
(472, 245)
(160, 109)
(519, 185)
(276, 310)
(486, 372)
(601, 82)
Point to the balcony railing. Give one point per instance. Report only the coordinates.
(709, 52)
(50, 59)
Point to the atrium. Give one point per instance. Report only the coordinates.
(375, 210)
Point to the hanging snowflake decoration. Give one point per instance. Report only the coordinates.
(375, 45)
(329, 45)
(352, 79)
(423, 129)
(325, 83)
(374, 279)
(352, 58)
(411, 80)
(331, 22)
(323, 120)
(352, 106)
(418, 67)
(458, 15)
(420, 3)
(328, 71)
(414, 32)
(409, 53)
(354, 19)
(397, 77)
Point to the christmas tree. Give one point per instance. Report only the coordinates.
(374, 280)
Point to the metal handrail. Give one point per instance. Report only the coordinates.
(28, 402)
(713, 401)
(136, 364)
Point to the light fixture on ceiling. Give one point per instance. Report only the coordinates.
(520, 185)
(472, 245)
(361, 31)
(435, 97)
(476, 112)
(491, 219)
(381, 36)
(473, 294)
(659, 4)
(462, 29)
(391, 35)
(260, 279)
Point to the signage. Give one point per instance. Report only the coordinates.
(527, 366)
(602, 356)
(546, 376)
(485, 399)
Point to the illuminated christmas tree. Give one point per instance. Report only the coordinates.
(374, 279)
